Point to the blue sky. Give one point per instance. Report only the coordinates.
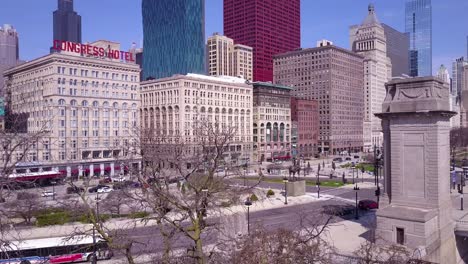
(120, 21)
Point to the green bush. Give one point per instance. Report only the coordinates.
(139, 215)
(253, 198)
(54, 218)
(270, 193)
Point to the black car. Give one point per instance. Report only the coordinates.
(339, 210)
(95, 188)
(74, 189)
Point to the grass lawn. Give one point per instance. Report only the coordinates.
(308, 183)
(367, 167)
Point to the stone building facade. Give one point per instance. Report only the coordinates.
(173, 105)
(89, 107)
(305, 121)
(416, 206)
(271, 121)
(333, 77)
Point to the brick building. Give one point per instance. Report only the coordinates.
(334, 77)
(305, 124)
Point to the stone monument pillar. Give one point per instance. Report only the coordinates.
(415, 208)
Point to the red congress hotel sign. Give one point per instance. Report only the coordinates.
(85, 49)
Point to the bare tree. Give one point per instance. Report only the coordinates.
(25, 206)
(305, 244)
(196, 164)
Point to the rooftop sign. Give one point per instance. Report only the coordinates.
(86, 49)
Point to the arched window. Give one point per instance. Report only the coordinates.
(73, 102)
(281, 135)
(95, 104)
(115, 105)
(268, 132)
(61, 102)
(275, 132)
(105, 104)
(84, 103)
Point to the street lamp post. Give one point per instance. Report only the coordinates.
(356, 188)
(375, 165)
(353, 173)
(248, 203)
(53, 190)
(94, 257)
(285, 180)
(462, 182)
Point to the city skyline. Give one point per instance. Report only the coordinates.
(124, 25)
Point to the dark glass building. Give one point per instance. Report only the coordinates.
(269, 27)
(174, 37)
(67, 23)
(397, 50)
(418, 23)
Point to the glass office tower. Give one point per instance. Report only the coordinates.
(174, 37)
(418, 23)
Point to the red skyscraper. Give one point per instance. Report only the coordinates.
(269, 26)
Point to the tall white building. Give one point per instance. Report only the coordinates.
(173, 105)
(458, 71)
(88, 106)
(368, 39)
(443, 74)
(224, 58)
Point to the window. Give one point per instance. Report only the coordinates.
(400, 236)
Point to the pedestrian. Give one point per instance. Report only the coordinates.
(454, 179)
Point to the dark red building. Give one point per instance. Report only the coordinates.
(305, 127)
(268, 26)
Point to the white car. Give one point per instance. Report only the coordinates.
(119, 179)
(104, 190)
(47, 193)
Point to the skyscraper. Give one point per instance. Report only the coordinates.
(269, 27)
(418, 23)
(397, 50)
(9, 48)
(229, 59)
(173, 37)
(67, 23)
(369, 40)
(9, 57)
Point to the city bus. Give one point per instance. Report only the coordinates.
(55, 250)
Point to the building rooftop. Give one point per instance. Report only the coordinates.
(219, 79)
(272, 85)
(305, 50)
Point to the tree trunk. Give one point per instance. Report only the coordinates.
(198, 241)
(128, 255)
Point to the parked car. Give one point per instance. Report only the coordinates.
(348, 158)
(339, 210)
(338, 159)
(96, 188)
(106, 189)
(74, 189)
(47, 193)
(367, 204)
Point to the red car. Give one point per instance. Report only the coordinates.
(368, 204)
